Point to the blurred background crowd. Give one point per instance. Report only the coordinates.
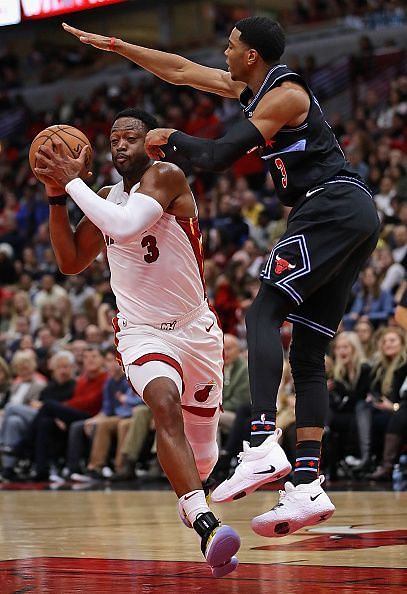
(66, 411)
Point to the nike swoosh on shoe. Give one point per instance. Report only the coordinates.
(316, 496)
(270, 470)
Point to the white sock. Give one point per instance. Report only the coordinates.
(194, 503)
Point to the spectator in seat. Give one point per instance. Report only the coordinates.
(54, 418)
(371, 303)
(119, 401)
(365, 331)
(395, 438)
(5, 383)
(387, 377)
(50, 293)
(236, 390)
(19, 416)
(141, 426)
(348, 385)
(390, 273)
(396, 435)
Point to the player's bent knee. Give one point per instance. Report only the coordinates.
(201, 434)
(206, 465)
(308, 352)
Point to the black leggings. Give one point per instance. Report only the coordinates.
(307, 358)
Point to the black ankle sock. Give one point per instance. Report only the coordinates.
(307, 457)
(262, 425)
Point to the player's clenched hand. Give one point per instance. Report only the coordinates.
(155, 139)
(58, 166)
(98, 41)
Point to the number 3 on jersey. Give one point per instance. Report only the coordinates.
(150, 242)
(280, 165)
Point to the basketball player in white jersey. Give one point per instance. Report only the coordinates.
(168, 339)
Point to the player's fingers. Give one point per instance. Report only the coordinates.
(43, 154)
(58, 146)
(155, 153)
(83, 154)
(100, 42)
(74, 31)
(43, 171)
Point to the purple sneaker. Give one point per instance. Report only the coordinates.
(221, 570)
(219, 544)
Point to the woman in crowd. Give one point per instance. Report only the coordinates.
(348, 385)
(22, 405)
(387, 378)
(371, 303)
(365, 331)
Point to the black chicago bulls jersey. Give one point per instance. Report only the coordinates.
(299, 158)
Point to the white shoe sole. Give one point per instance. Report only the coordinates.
(278, 528)
(245, 488)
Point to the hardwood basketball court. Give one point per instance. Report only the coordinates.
(64, 542)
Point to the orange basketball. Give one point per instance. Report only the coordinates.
(72, 138)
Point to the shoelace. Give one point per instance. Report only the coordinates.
(242, 455)
(281, 495)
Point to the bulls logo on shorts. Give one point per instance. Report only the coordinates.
(288, 261)
(203, 391)
(281, 265)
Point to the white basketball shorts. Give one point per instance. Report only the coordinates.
(192, 345)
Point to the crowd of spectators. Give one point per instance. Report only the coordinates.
(355, 13)
(59, 385)
(49, 61)
(46, 62)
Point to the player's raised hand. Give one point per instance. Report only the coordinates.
(155, 139)
(58, 166)
(98, 41)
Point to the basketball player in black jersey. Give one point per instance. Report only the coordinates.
(332, 229)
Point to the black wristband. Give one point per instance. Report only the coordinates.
(57, 200)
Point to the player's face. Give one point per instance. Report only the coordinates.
(127, 138)
(236, 56)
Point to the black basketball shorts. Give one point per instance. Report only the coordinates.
(329, 236)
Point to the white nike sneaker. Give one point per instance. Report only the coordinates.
(257, 466)
(303, 505)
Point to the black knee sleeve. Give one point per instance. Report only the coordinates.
(307, 359)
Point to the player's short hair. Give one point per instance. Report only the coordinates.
(148, 120)
(264, 35)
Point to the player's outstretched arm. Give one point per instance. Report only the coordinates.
(210, 155)
(169, 67)
(278, 108)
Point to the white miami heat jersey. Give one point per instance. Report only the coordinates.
(158, 276)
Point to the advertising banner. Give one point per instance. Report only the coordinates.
(38, 9)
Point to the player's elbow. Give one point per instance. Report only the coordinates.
(71, 266)
(179, 77)
(69, 269)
